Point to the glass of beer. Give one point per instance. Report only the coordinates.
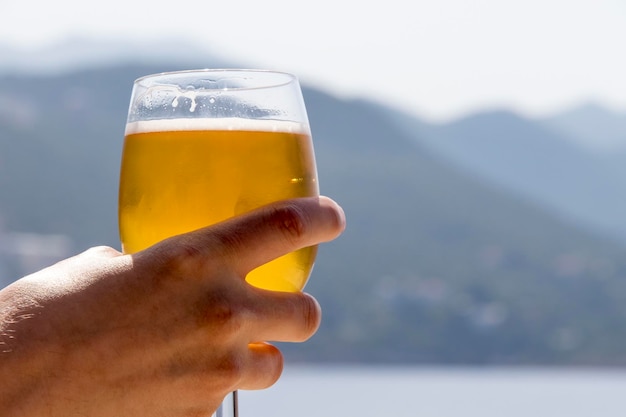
(202, 146)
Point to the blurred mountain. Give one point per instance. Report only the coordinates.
(440, 263)
(74, 53)
(541, 161)
(441, 266)
(592, 127)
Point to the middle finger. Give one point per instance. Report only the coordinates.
(283, 316)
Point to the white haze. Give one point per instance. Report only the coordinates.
(438, 59)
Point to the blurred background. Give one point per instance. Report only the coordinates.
(478, 148)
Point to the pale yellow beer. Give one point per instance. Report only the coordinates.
(181, 176)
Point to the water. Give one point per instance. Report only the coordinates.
(439, 392)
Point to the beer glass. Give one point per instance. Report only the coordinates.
(202, 146)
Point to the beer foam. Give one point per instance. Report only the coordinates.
(263, 125)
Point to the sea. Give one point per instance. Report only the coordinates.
(408, 391)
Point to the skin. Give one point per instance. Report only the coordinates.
(165, 332)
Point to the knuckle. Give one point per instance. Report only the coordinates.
(291, 220)
(213, 373)
(102, 251)
(231, 239)
(223, 314)
(311, 317)
(184, 252)
(231, 369)
(178, 256)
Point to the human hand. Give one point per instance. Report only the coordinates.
(168, 331)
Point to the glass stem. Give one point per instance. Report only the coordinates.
(229, 407)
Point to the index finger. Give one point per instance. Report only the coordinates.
(257, 237)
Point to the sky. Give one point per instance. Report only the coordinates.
(439, 59)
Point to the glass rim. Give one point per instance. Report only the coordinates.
(169, 77)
